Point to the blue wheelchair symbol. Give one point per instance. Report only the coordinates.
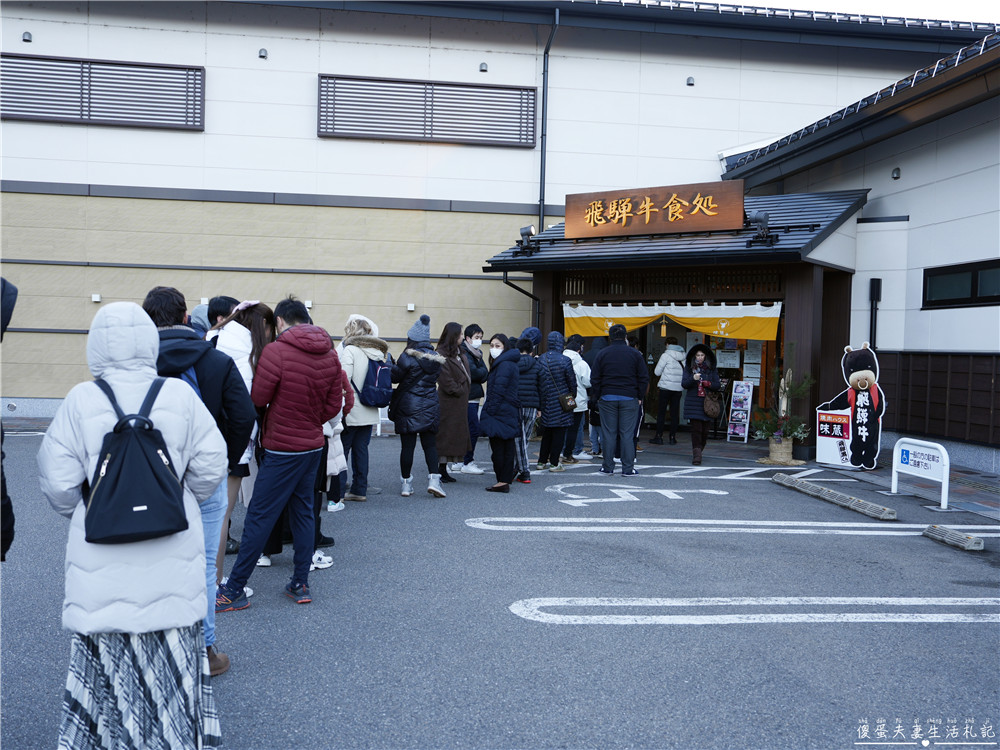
(904, 457)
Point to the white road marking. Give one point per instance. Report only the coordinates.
(718, 526)
(758, 474)
(532, 609)
(630, 495)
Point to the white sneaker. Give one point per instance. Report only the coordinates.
(582, 456)
(320, 561)
(456, 467)
(246, 589)
(471, 468)
(263, 561)
(407, 487)
(333, 507)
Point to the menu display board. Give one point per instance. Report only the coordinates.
(739, 411)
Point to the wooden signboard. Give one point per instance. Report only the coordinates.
(701, 207)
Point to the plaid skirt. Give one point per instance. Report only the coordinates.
(146, 690)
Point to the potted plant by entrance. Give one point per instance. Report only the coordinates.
(776, 424)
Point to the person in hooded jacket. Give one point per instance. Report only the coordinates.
(360, 346)
(670, 369)
(139, 672)
(454, 383)
(700, 374)
(415, 411)
(556, 377)
(529, 396)
(218, 382)
(501, 418)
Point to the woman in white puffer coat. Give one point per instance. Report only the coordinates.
(139, 674)
(670, 368)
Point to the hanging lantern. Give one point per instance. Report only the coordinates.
(663, 327)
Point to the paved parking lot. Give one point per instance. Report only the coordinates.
(678, 609)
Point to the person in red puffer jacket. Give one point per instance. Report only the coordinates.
(298, 380)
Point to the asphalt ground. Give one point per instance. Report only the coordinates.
(677, 609)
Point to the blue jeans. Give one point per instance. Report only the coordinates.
(283, 479)
(355, 441)
(213, 511)
(595, 438)
(618, 423)
(473, 431)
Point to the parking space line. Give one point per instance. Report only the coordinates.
(533, 609)
(717, 526)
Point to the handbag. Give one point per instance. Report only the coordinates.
(567, 401)
(713, 404)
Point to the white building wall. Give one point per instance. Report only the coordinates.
(620, 112)
(949, 186)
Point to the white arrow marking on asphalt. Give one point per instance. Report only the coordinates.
(759, 474)
(531, 609)
(704, 525)
(629, 495)
(560, 489)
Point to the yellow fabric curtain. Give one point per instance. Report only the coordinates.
(758, 322)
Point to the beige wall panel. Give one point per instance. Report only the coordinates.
(43, 244)
(56, 212)
(39, 365)
(51, 381)
(47, 282)
(213, 235)
(125, 214)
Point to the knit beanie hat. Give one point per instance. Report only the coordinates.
(532, 334)
(421, 330)
(617, 332)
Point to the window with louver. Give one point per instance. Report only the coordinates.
(428, 111)
(102, 92)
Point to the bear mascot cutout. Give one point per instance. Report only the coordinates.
(866, 402)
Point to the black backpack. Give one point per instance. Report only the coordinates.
(135, 493)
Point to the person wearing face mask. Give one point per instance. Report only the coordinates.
(699, 374)
(501, 418)
(472, 352)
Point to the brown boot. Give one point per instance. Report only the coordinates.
(217, 662)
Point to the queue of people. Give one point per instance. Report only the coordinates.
(275, 410)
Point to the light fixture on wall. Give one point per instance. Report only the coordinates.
(484, 68)
(262, 53)
(895, 173)
(690, 81)
(26, 36)
(410, 307)
(308, 303)
(95, 298)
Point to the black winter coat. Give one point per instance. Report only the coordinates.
(501, 417)
(694, 405)
(414, 406)
(556, 376)
(222, 388)
(477, 370)
(529, 387)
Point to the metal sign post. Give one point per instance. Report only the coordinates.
(922, 459)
